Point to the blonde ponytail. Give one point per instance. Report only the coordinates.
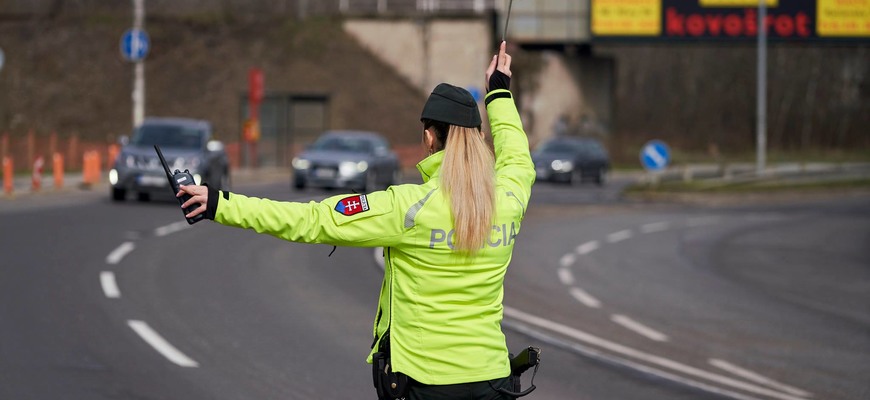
(468, 177)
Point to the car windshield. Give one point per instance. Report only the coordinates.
(560, 146)
(343, 143)
(168, 136)
(572, 146)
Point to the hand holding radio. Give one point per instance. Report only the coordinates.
(177, 180)
(198, 196)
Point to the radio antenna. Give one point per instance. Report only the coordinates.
(507, 19)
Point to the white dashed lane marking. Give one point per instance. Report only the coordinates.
(587, 247)
(565, 276)
(110, 287)
(619, 236)
(567, 260)
(160, 344)
(655, 227)
(639, 328)
(585, 298)
(172, 228)
(118, 254)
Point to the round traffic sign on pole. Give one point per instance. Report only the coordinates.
(135, 44)
(655, 155)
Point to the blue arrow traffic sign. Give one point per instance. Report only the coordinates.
(135, 44)
(655, 155)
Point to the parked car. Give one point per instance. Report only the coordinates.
(347, 159)
(571, 160)
(185, 143)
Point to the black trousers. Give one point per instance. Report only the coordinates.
(483, 390)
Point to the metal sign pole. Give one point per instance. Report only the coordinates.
(139, 67)
(761, 94)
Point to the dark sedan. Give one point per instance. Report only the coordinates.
(185, 143)
(347, 159)
(571, 160)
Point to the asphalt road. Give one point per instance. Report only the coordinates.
(101, 300)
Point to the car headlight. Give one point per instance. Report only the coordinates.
(113, 176)
(130, 161)
(561, 165)
(350, 168)
(301, 163)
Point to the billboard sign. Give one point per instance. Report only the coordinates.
(727, 20)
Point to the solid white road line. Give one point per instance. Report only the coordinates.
(589, 339)
(587, 247)
(617, 360)
(619, 236)
(171, 228)
(585, 298)
(752, 376)
(567, 260)
(565, 276)
(655, 227)
(118, 254)
(639, 328)
(110, 287)
(161, 345)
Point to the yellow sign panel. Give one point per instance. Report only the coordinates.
(627, 17)
(736, 3)
(850, 18)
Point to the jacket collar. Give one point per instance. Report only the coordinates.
(430, 166)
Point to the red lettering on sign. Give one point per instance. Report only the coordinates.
(802, 21)
(695, 25)
(714, 23)
(750, 21)
(674, 23)
(733, 25)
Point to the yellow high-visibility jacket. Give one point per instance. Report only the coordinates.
(443, 307)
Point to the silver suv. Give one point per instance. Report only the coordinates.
(186, 144)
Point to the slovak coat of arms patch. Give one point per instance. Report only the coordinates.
(352, 205)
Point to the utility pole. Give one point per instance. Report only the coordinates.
(761, 93)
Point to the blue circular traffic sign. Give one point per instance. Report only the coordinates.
(135, 44)
(655, 155)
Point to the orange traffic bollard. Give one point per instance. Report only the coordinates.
(86, 169)
(7, 175)
(36, 176)
(57, 169)
(113, 154)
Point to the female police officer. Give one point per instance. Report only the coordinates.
(447, 242)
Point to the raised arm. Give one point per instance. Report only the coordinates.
(513, 162)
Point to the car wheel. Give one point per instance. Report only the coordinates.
(599, 177)
(119, 194)
(142, 196)
(575, 178)
(298, 183)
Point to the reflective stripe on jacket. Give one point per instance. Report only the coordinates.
(443, 307)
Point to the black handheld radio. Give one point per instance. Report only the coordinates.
(175, 181)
